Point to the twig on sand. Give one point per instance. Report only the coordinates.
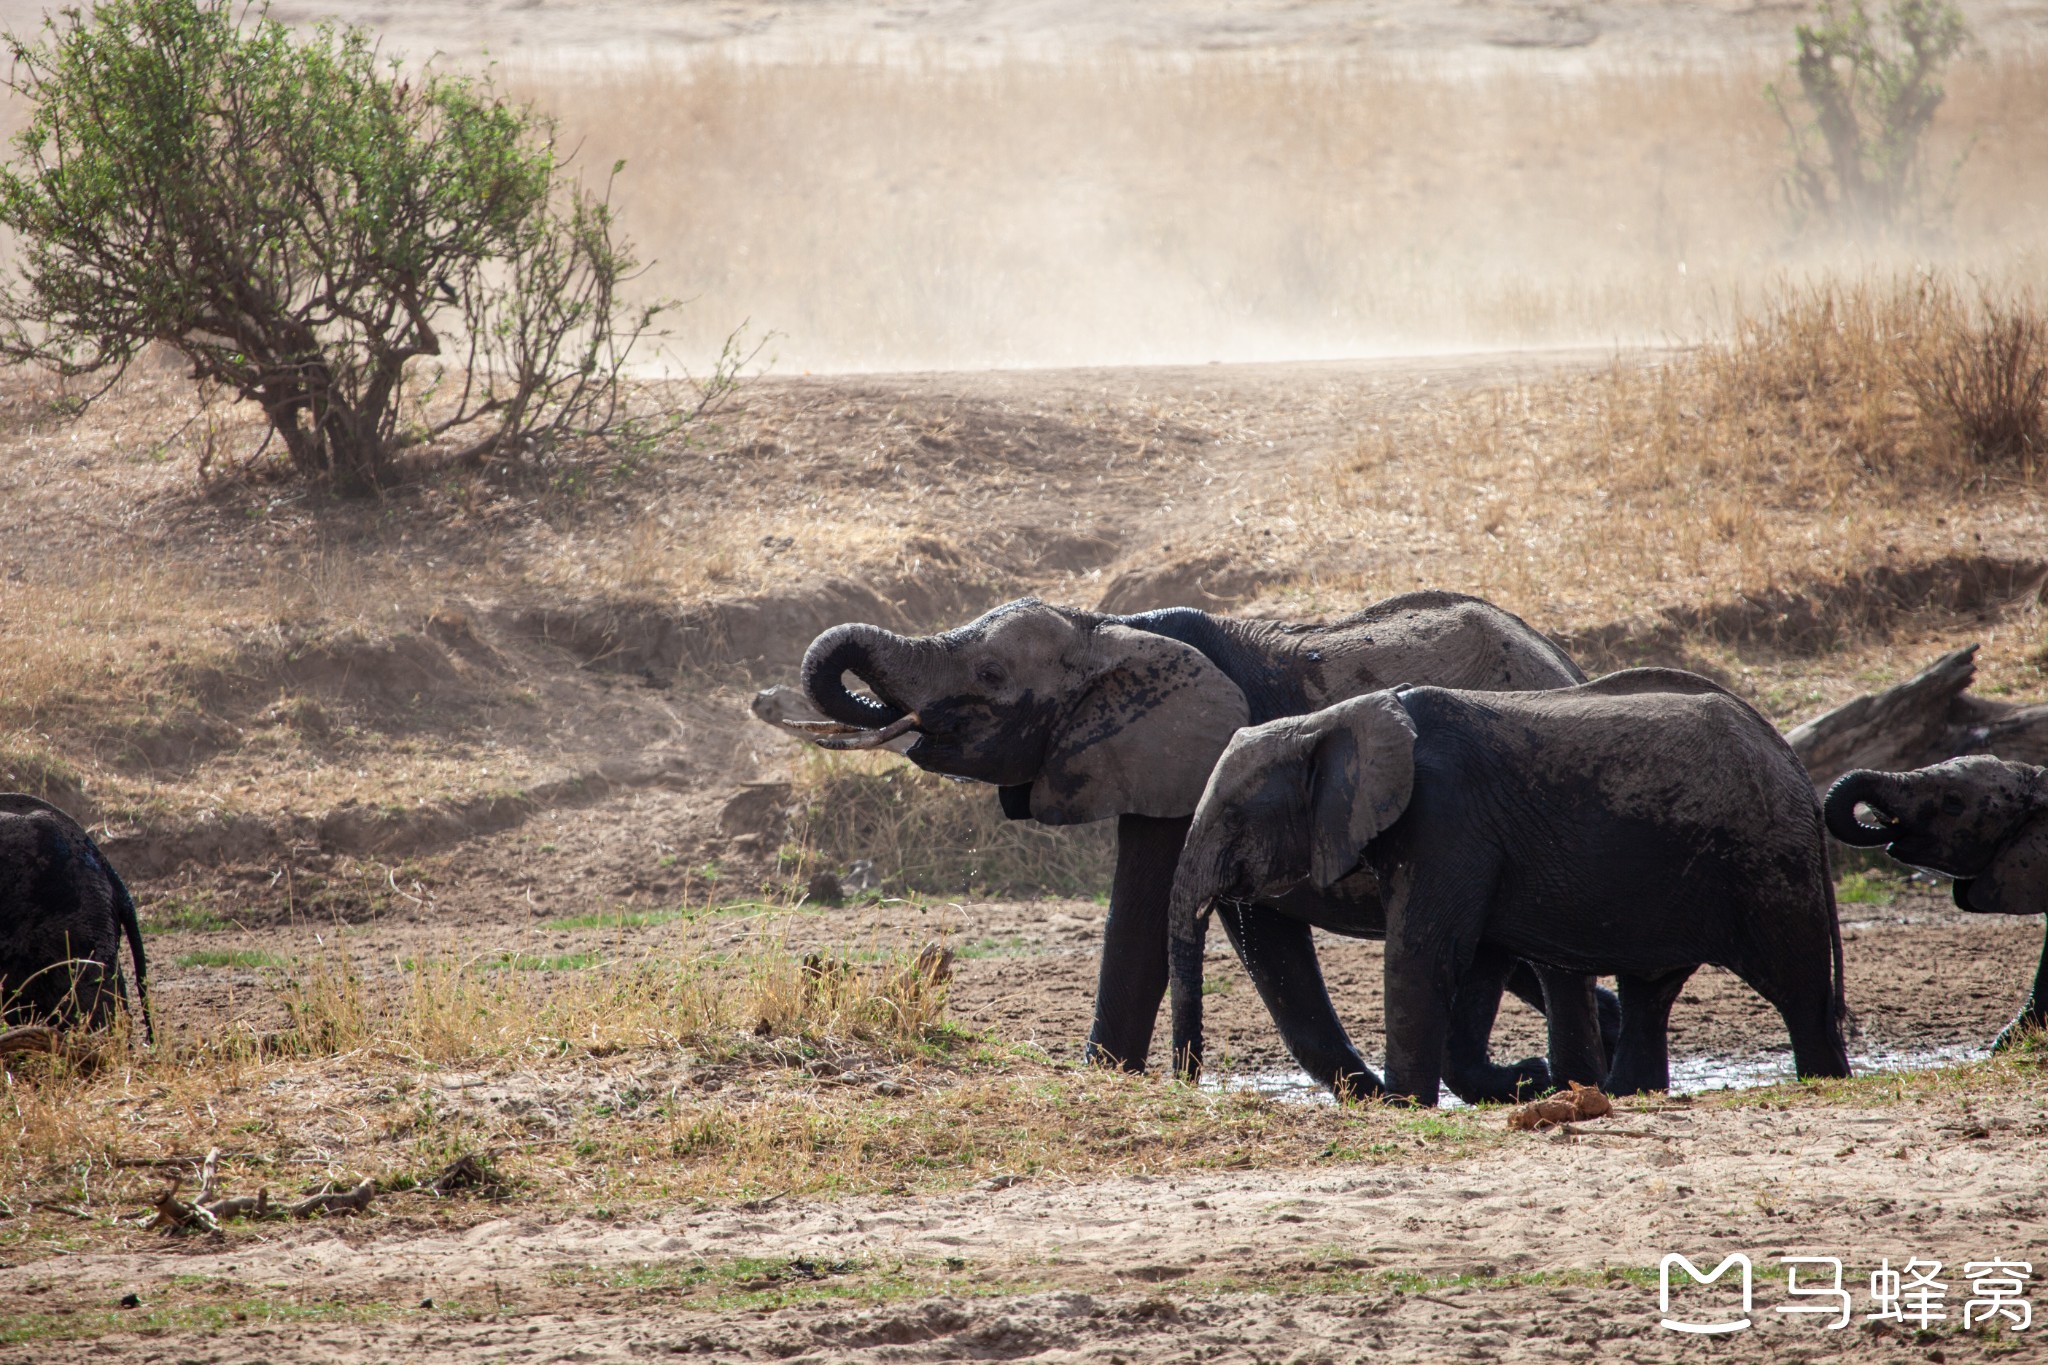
(209, 1172)
(343, 1201)
(175, 1215)
(255, 1205)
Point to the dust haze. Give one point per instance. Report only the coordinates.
(885, 187)
(1126, 208)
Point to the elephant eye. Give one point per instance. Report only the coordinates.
(989, 675)
(1951, 804)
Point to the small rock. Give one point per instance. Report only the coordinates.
(889, 1088)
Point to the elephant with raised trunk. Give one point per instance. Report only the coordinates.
(1077, 716)
(1642, 824)
(1981, 820)
(63, 914)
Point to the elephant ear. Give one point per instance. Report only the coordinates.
(1142, 736)
(2016, 883)
(1363, 774)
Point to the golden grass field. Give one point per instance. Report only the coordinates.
(452, 835)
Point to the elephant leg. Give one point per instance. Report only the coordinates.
(1642, 1059)
(1280, 955)
(1572, 1010)
(1527, 987)
(1424, 965)
(1795, 969)
(1132, 978)
(1468, 1070)
(2033, 1015)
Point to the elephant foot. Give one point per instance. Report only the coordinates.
(1097, 1055)
(1353, 1087)
(1525, 1080)
(1630, 1081)
(2030, 1023)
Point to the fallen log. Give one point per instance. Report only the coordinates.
(1926, 719)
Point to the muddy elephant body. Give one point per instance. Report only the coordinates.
(1980, 820)
(1643, 824)
(1077, 716)
(63, 914)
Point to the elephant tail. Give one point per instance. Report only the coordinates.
(124, 906)
(1842, 1020)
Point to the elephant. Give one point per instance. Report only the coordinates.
(63, 912)
(1641, 824)
(1078, 716)
(1979, 819)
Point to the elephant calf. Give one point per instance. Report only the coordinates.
(63, 912)
(1980, 820)
(1641, 824)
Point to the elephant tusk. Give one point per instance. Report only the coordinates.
(868, 739)
(819, 729)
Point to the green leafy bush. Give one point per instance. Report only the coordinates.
(313, 229)
(1871, 92)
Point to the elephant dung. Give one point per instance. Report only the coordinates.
(1571, 1106)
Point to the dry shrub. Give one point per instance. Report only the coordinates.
(1909, 378)
(1985, 380)
(927, 833)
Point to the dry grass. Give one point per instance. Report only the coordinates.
(924, 833)
(1126, 209)
(1794, 452)
(611, 1086)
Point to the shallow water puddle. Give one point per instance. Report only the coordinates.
(1689, 1075)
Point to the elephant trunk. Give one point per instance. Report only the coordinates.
(1194, 886)
(1877, 790)
(864, 651)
